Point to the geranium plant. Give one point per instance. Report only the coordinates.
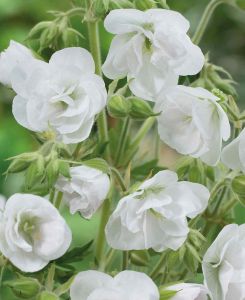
(164, 234)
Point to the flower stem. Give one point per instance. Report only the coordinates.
(100, 244)
(139, 136)
(202, 26)
(158, 266)
(122, 141)
(125, 260)
(94, 42)
(58, 200)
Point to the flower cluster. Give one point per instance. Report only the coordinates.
(61, 99)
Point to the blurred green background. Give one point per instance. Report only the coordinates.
(224, 40)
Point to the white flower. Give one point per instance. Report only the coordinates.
(85, 191)
(193, 123)
(156, 215)
(32, 232)
(189, 291)
(127, 285)
(151, 48)
(16, 55)
(63, 95)
(233, 155)
(224, 264)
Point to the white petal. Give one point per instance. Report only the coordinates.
(73, 57)
(120, 21)
(88, 281)
(138, 285)
(19, 111)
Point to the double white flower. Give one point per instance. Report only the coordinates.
(32, 232)
(233, 155)
(193, 122)
(151, 48)
(63, 95)
(130, 285)
(85, 191)
(155, 216)
(189, 291)
(16, 56)
(224, 264)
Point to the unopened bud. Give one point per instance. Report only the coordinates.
(37, 29)
(25, 287)
(118, 106)
(238, 185)
(114, 4)
(52, 171)
(140, 109)
(35, 172)
(21, 162)
(145, 4)
(64, 169)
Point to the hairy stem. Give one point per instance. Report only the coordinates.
(122, 141)
(202, 26)
(94, 43)
(100, 244)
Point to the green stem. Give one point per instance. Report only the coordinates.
(154, 273)
(58, 200)
(94, 42)
(202, 26)
(122, 141)
(139, 136)
(1, 275)
(119, 179)
(100, 244)
(125, 260)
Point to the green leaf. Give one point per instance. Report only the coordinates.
(62, 289)
(97, 163)
(76, 254)
(167, 294)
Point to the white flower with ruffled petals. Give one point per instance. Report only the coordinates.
(16, 56)
(85, 191)
(130, 285)
(2, 205)
(155, 216)
(224, 264)
(193, 122)
(233, 155)
(151, 48)
(63, 96)
(189, 291)
(32, 232)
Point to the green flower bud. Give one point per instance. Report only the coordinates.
(21, 162)
(118, 106)
(35, 172)
(37, 29)
(24, 287)
(52, 171)
(114, 4)
(47, 296)
(238, 185)
(140, 109)
(167, 294)
(163, 3)
(64, 169)
(145, 4)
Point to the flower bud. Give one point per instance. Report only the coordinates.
(70, 37)
(52, 172)
(24, 287)
(114, 4)
(145, 4)
(37, 29)
(118, 106)
(47, 296)
(238, 185)
(21, 162)
(35, 172)
(140, 109)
